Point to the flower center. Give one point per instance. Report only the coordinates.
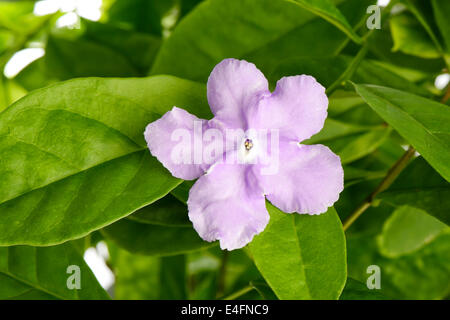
(248, 144)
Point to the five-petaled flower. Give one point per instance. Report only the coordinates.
(227, 202)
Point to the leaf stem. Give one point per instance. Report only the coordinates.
(238, 293)
(390, 177)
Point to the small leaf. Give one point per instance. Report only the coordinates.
(420, 186)
(423, 274)
(302, 256)
(407, 230)
(423, 122)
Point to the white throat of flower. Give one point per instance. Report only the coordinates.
(248, 150)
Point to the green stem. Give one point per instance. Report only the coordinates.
(390, 177)
(348, 73)
(239, 293)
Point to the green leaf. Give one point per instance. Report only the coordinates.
(139, 49)
(420, 186)
(74, 158)
(181, 192)
(168, 211)
(327, 10)
(411, 38)
(423, 122)
(355, 290)
(148, 239)
(423, 274)
(41, 273)
(35, 76)
(327, 70)
(301, 256)
(423, 11)
(407, 230)
(139, 15)
(198, 42)
(380, 44)
(148, 278)
(352, 148)
(441, 9)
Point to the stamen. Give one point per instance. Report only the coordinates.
(248, 144)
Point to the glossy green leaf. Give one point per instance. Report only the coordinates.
(148, 239)
(411, 38)
(355, 290)
(420, 186)
(41, 273)
(198, 43)
(302, 256)
(327, 10)
(423, 122)
(407, 230)
(74, 158)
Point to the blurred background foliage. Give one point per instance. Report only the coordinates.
(406, 233)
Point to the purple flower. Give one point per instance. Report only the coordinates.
(227, 202)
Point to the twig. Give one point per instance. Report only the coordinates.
(392, 174)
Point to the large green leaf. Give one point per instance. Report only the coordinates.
(423, 122)
(327, 10)
(262, 37)
(147, 278)
(407, 230)
(42, 273)
(420, 186)
(74, 159)
(148, 239)
(301, 256)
